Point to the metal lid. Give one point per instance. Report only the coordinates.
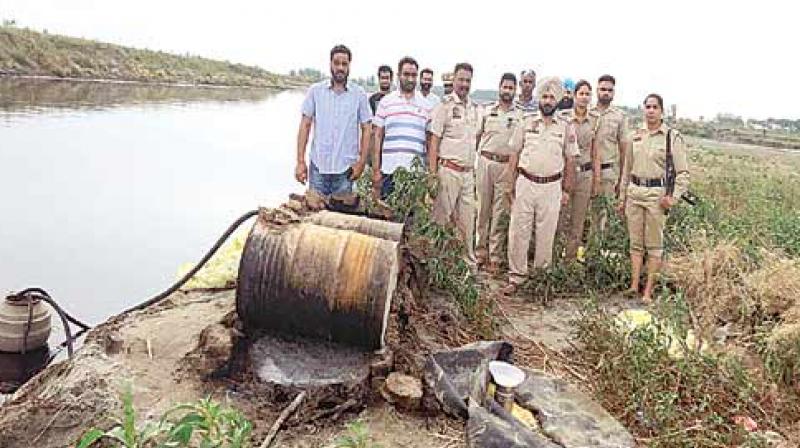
(505, 374)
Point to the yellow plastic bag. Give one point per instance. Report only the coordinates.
(221, 270)
(629, 320)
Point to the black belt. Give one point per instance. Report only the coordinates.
(539, 179)
(649, 183)
(588, 166)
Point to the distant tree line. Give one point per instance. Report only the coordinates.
(312, 74)
(308, 73)
(784, 124)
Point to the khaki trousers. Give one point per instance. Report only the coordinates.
(578, 208)
(534, 204)
(455, 201)
(494, 201)
(608, 178)
(646, 221)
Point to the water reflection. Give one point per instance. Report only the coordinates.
(105, 189)
(21, 97)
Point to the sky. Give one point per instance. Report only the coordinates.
(706, 57)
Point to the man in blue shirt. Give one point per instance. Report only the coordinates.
(337, 109)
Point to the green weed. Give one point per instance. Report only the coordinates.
(204, 423)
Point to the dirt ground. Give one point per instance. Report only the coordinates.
(156, 351)
(386, 427)
(64, 400)
(189, 347)
(153, 351)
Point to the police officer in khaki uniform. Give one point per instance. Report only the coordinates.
(611, 134)
(545, 155)
(644, 197)
(493, 175)
(447, 82)
(451, 158)
(587, 180)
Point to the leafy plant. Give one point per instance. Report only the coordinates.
(439, 250)
(214, 424)
(606, 266)
(357, 437)
(693, 401)
(126, 433)
(204, 423)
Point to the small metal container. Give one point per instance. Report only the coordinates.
(505, 397)
(506, 377)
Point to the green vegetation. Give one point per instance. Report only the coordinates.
(205, 423)
(369, 83)
(606, 267)
(126, 433)
(750, 200)
(440, 249)
(311, 74)
(437, 249)
(698, 400)
(27, 52)
(357, 437)
(733, 276)
(772, 132)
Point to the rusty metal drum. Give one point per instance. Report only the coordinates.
(318, 282)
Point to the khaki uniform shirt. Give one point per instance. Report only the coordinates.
(647, 160)
(611, 128)
(496, 129)
(584, 127)
(456, 122)
(542, 147)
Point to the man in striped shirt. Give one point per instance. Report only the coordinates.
(401, 122)
(527, 101)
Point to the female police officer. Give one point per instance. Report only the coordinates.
(645, 196)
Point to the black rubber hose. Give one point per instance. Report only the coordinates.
(69, 317)
(67, 330)
(38, 293)
(27, 327)
(202, 263)
(41, 294)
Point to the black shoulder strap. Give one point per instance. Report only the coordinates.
(669, 166)
(669, 141)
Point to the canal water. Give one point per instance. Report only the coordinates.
(105, 189)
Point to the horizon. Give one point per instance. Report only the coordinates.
(699, 81)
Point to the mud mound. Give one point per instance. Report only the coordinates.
(145, 349)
